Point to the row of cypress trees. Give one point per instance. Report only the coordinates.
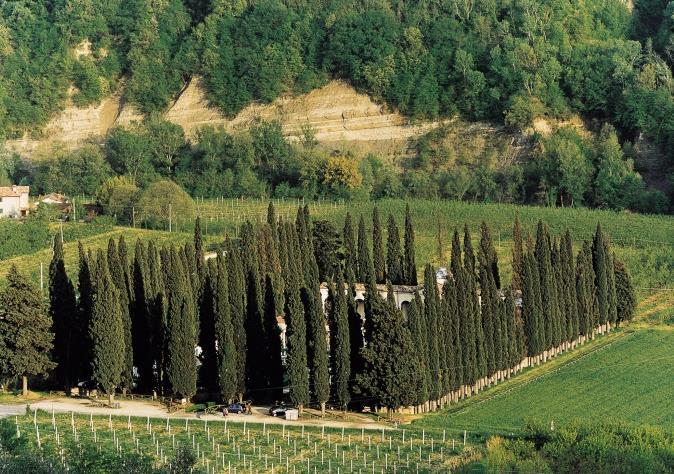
(171, 322)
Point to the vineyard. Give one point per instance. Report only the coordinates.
(222, 446)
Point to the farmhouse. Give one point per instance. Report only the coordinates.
(14, 201)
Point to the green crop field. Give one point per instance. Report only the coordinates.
(225, 447)
(628, 377)
(644, 242)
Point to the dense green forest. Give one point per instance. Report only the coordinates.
(503, 61)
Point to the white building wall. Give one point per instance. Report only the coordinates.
(11, 206)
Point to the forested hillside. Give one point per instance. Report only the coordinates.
(508, 62)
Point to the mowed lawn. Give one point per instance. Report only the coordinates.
(631, 379)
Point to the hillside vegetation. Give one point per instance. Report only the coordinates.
(502, 62)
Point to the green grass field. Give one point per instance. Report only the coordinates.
(223, 447)
(627, 377)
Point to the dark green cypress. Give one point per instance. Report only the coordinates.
(409, 260)
(123, 252)
(317, 347)
(518, 255)
(432, 308)
(272, 220)
(340, 345)
(626, 301)
(456, 264)
(207, 337)
(480, 340)
(181, 369)
(448, 305)
(390, 374)
(296, 360)
(158, 263)
(417, 323)
(142, 335)
(64, 315)
(559, 323)
(583, 297)
(394, 258)
(488, 298)
(365, 266)
(532, 306)
(351, 271)
(599, 263)
(546, 285)
(106, 330)
(273, 365)
(512, 341)
(25, 330)
(487, 254)
(611, 283)
(378, 248)
(199, 263)
(224, 333)
(81, 343)
(456, 365)
(467, 327)
(116, 268)
(237, 301)
(569, 300)
(468, 254)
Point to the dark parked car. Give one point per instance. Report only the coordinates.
(236, 408)
(278, 410)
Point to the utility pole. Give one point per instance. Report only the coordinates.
(169, 217)
(133, 216)
(61, 232)
(41, 279)
(74, 211)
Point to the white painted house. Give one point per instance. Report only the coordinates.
(14, 201)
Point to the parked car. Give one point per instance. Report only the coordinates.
(278, 410)
(236, 408)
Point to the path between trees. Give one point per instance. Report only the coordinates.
(154, 410)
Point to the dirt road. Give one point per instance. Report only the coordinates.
(144, 409)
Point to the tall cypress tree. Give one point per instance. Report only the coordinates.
(559, 322)
(123, 252)
(532, 307)
(599, 263)
(378, 248)
(409, 261)
(106, 330)
(296, 360)
(583, 295)
(417, 323)
(25, 330)
(365, 266)
(116, 268)
(207, 337)
(518, 255)
(432, 307)
(467, 327)
(224, 333)
(63, 313)
(351, 272)
(142, 334)
(158, 263)
(569, 301)
(487, 253)
(480, 340)
(456, 264)
(340, 345)
(81, 343)
(273, 366)
(317, 334)
(272, 220)
(448, 305)
(546, 285)
(456, 365)
(394, 258)
(468, 254)
(390, 376)
(237, 301)
(611, 283)
(488, 300)
(181, 369)
(626, 301)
